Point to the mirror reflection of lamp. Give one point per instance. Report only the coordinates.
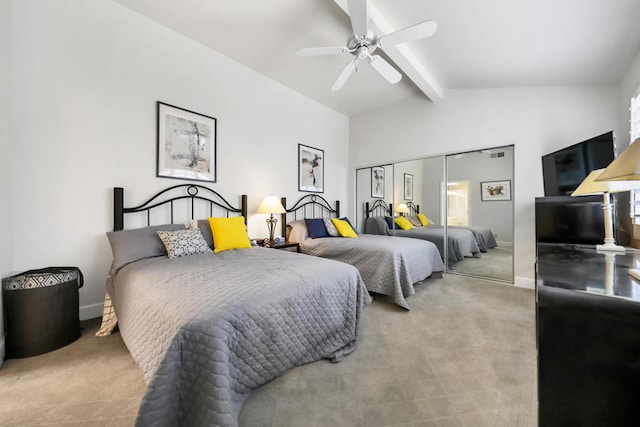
(271, 205)
(402, 209)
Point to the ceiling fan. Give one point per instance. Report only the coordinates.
(364, 42)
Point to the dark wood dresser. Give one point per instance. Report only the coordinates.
(588, 336)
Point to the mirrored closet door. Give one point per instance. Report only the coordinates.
(466, 197)
(479, 205)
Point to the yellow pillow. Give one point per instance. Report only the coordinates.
(423, 219)
(229, 233)
(403, 223)
(343, 227)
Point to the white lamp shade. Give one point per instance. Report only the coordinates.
(626, 167)
(271, 205)
(592, 184)
(402, 208)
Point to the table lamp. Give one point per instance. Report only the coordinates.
(625, 169)
(271, 205)
(591, 185)
(402, 209)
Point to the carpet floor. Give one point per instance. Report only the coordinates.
(463, 356)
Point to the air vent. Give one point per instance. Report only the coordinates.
(500, 154)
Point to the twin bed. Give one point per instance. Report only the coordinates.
(388, 265)
(208, 327)
(461, 240)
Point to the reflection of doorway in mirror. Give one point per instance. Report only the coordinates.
(458, 203)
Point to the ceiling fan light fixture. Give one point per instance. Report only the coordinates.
(363, 42)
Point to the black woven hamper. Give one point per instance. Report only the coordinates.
(41, 309)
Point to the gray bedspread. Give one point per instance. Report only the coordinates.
(460, 243)
(484, 236)
(388, 265)
(207, 329)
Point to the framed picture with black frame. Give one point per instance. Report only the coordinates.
(377, 182)
(186, 144)
(408, 186)
(310, 169)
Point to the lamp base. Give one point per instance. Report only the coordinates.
(610, 247)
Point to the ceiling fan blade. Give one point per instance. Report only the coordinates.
(414, 32)
(344, 75)
(385, 69)
(316, 51)
(359, 16)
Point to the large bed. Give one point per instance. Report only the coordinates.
(461, 243)
(208, 328)
(388, 265)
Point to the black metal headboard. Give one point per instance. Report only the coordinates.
(378, 208)
(169, 195)
(413, 208)
(308, 206)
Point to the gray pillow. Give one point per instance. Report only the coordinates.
(133, 245)
(205, 229)
(413, 219)
(331, 229)
(297, 231)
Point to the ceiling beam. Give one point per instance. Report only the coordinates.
(401, 55)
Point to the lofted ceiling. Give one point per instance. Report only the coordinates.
(478, 44)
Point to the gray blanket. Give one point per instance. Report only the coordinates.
(388, 265)
(484, 236)
(460, 243)
(207, 329)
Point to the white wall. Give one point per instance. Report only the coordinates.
(87, 76)
(629, 86)
(535, 120)
(5, 152)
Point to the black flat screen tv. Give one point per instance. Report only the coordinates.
(565, 169)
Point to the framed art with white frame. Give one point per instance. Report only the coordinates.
(310, 169)
(186, 144)
(495, 190)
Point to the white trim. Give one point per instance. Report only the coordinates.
(91, 311)
(524, 282)
(506, 244)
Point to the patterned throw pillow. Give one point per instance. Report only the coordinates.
(331, 229)
(183, 242)
(415, 221)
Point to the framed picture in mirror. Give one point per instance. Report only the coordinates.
(495, 190)
(408, 186)
(377, 182)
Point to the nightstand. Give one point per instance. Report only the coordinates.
(281, 246)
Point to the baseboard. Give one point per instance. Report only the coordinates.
(91, 311)
(2, 353)
(524, 282)
(505, 244)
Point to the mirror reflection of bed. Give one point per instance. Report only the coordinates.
(458, 204)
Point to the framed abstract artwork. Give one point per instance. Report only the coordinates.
(186, 144)
(310, 169)
(377, 182)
